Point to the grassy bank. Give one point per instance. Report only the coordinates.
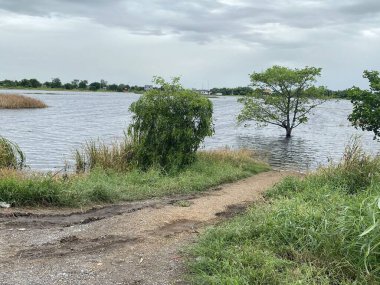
(323, 229)
(13, 101)
(106, 186)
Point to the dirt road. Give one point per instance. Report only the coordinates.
(131, 243)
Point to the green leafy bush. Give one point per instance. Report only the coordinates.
(366, 105)
(168, 125)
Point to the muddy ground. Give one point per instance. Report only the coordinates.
(129, 243)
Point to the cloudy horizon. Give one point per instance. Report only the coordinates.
(208, 43)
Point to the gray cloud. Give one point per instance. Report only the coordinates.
(208, 19)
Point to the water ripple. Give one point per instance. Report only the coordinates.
(49, 136)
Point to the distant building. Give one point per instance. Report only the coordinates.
(203, 92)
(148, 87)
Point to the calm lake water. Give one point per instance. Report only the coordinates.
(49, 136)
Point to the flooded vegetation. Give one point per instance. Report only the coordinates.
(73, 118)
(14, 101)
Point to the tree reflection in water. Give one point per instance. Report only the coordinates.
(293, 154)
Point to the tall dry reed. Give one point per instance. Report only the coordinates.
(13, 101)
(97, 154)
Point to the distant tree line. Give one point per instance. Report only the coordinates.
(238, 91)
(242, 91)
(343, 94)
(76, 84)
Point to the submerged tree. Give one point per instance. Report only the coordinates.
(282, 97)
(366, 112)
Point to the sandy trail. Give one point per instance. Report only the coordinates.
(131, 243)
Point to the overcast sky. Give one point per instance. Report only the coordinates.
(207, 42)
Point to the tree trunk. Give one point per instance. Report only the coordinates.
(288, 132)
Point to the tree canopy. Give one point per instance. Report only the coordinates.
(366, 103)
(282, 97)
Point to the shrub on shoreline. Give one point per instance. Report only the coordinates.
(13, 101)
(168, 126)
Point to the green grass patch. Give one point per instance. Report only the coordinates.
(323, 229)
(107, 186)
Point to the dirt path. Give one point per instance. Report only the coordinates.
(134, 243)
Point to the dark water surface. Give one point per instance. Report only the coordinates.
(49, 136)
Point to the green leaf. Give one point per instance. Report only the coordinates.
(368, 230)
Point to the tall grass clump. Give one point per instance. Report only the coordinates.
(322, 229)
(116, 156)
(11, 155)
(34, 189)
(356, 170)
(13, 101)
